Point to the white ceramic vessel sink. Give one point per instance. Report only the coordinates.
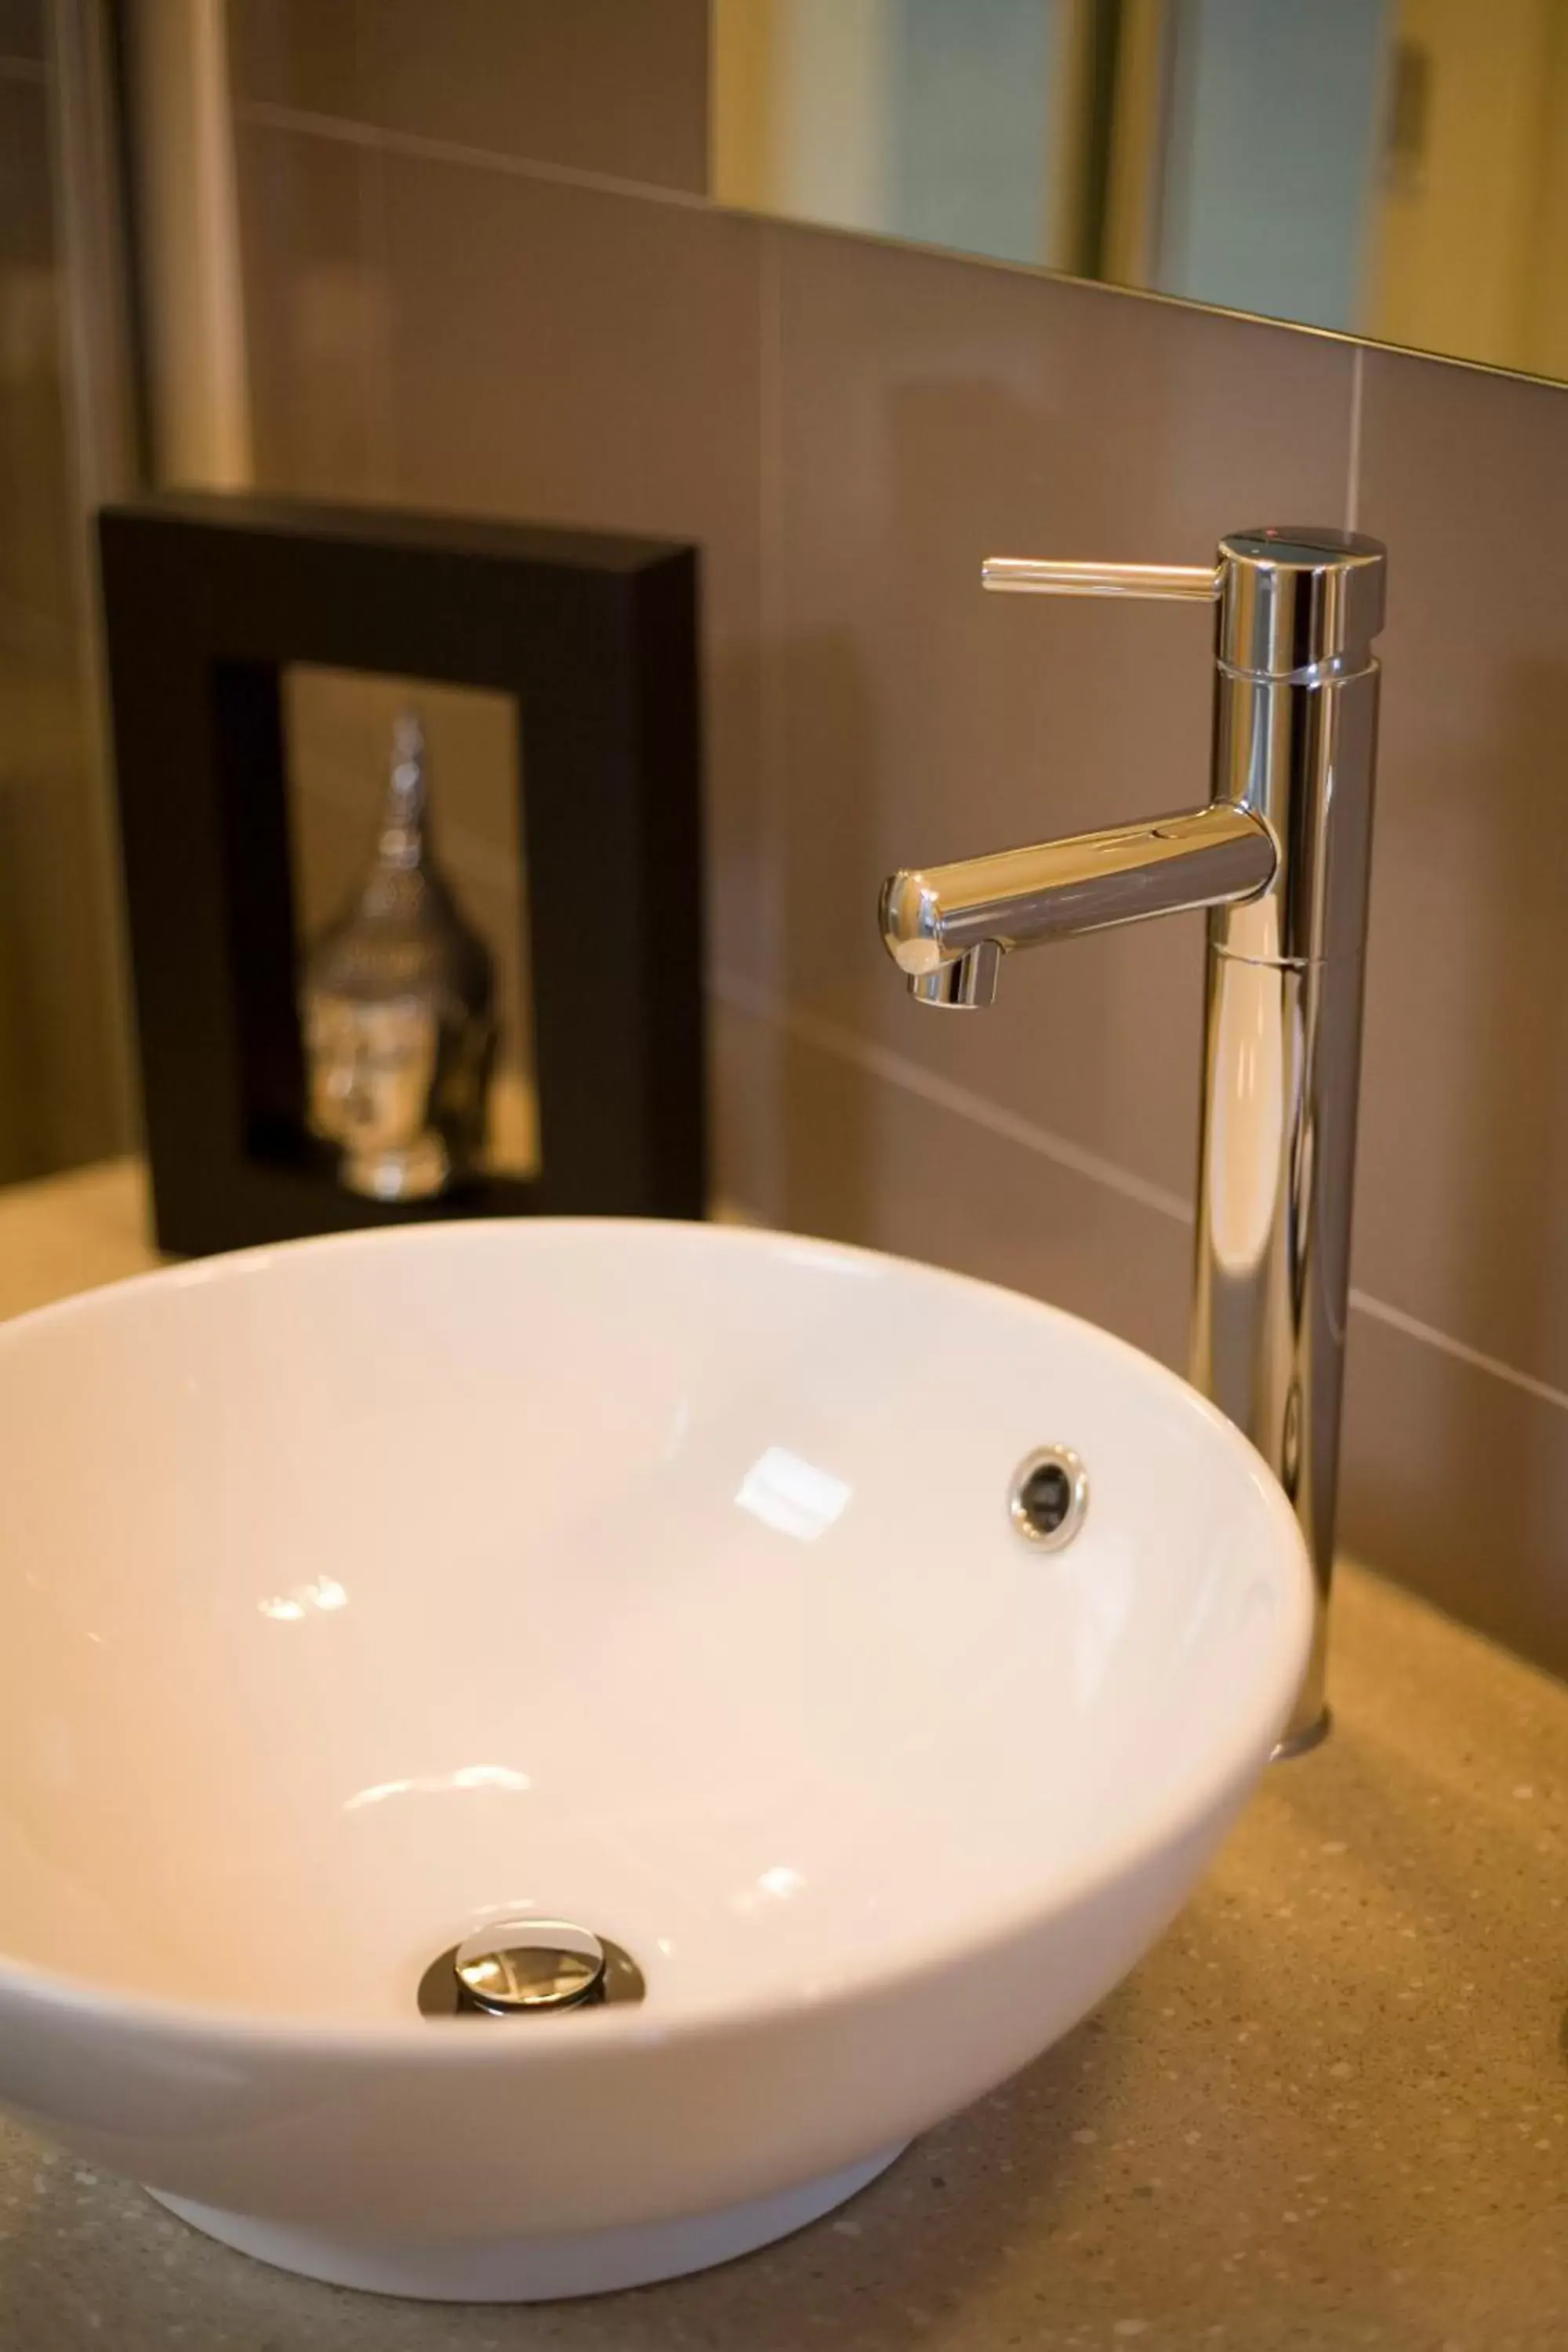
(656, 1579)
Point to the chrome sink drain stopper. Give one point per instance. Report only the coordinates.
(516, 1965)
(528, 1968)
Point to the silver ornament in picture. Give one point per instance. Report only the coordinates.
(398, 1010)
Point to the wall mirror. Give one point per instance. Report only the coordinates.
(1397, 169)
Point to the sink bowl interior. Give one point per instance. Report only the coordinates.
(657, 1578)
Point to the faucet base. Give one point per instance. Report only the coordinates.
(1301, 1743)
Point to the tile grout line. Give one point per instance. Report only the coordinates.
(896, 1070)
(270, 115)
(1352, 479)
(350, 132)
(1411, 1326)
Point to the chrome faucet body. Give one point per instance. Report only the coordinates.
(1280, 857)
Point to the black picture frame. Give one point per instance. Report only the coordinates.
(207, 599)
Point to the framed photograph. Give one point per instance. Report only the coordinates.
(296, 1083)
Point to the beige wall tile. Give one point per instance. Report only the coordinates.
(58, 1005)
(613, 86)
(60, 1044)
(934, 411)
(1457, 1482)
(561, 354)
(308, 54)
(315, 302)
(22, 29)
(815, 1142)
(1462, 1212)
(37, 602)
(618, 87)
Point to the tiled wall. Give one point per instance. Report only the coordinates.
(450, 308)
(60, 1055)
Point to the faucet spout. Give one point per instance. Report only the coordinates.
(966, 984)
(945, 927)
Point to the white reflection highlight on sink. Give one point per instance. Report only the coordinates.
(322, 1594)
(441, 1784)
(792, 1496)
(774, 1886)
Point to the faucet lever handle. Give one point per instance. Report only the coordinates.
(1023, 575)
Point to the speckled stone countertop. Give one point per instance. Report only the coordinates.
(1331, 2109)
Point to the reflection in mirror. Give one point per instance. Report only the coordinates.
(1390, 168)
(340, 727)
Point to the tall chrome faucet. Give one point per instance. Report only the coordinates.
(1279, 857)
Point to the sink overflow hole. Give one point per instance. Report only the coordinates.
(1048, 1496)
